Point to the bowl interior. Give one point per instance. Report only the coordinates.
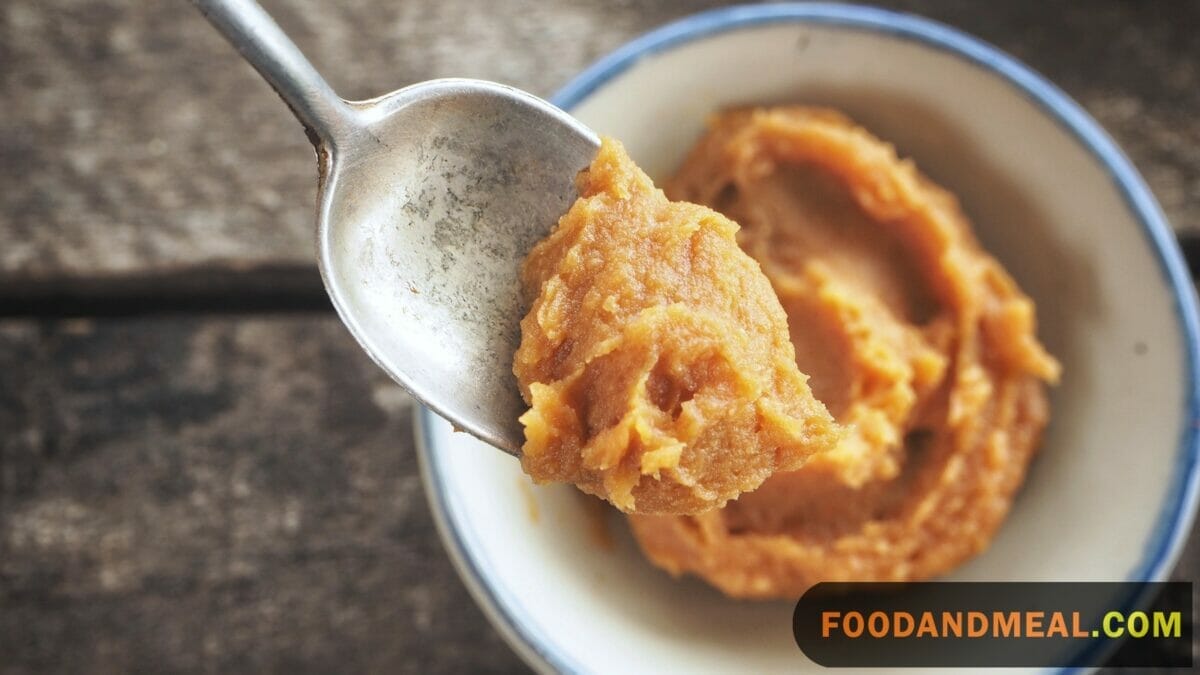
(1101, 497)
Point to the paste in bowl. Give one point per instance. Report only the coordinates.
(668, 371)
(916, 339)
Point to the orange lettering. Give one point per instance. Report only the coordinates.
(877, 624)
(904, 624)
(1033, 624)
(855, 618)
(1076, 631)
(1006, 624)
(828, 622)
(928, 625)
(1058, 625)
(952, 620)
(977, 623)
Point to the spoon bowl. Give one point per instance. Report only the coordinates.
(427, 209)
(429, 200)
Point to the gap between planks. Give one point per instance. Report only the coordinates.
(216, 289)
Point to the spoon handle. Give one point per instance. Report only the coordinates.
(265, 46)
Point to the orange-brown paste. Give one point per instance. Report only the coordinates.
(656, 357)
(917, 340)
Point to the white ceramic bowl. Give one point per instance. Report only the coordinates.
(1114, 489)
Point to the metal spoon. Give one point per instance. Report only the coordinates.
(428, 200)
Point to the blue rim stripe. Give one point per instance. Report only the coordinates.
(466, 555)
(1179, 507)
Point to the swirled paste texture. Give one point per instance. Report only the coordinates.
(916, 339)
(656, 358)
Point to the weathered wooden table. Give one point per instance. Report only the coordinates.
(199, 471)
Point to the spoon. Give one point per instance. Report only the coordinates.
(429, 198)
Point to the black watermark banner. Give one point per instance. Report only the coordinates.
(997, 624)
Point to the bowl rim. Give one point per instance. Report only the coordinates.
(1161, 550)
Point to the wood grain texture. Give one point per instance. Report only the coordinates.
(218, 495)
(134, 138)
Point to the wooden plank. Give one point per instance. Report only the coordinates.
(134, 140)
(219, 495)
